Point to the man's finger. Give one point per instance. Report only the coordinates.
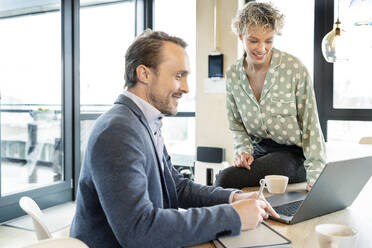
(262, 212)
(262, 203)
(265, 215)
(260, 220)
(270, 209)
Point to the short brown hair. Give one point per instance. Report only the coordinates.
(256, 14)
(146, 50)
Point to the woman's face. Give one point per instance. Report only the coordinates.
(258, 43)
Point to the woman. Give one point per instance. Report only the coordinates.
(271, 107)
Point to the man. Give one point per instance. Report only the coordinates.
(129, 193)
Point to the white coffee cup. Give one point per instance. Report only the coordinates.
(336, 236)
(276, 184)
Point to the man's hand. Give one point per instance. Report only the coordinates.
(246, 195)
(250, 210)
(243, 160)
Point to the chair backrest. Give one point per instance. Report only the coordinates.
(59, 243)
(365, 140)
(31, 208)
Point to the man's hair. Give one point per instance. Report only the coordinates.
(255, 14)
(146, 50)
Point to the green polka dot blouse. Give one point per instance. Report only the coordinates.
(286, 113)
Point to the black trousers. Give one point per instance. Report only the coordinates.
(270, 158)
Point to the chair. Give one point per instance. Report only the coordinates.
(59, 243)
(365, 140)
(31, 208)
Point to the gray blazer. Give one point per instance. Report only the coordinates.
(125, 199)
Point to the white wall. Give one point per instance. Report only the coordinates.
(211, 116)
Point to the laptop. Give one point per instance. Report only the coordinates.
(336, 188)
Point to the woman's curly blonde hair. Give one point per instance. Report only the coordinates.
(255, 14)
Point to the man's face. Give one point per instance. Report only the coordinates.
(169, 82)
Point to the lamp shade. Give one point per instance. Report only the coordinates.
(334, 45)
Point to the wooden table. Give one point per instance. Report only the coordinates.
(358, 215)
(302, 234)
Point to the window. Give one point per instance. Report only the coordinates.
(106, 32)
(352, 80)
(179, 131)
(344, 101)
(38, 107)
(297, 39)
(35, 110)
(31, 102)
(179, 135)
(349, 131)
(183, 25)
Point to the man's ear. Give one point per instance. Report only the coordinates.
(143, 74)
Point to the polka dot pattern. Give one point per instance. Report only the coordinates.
(286, 112)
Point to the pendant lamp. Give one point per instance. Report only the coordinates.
(334, 44)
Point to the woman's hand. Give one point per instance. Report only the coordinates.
(243, 160)
(309, 186)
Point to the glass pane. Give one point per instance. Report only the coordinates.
(179, 135)
(351, 131)
(298, 32)
(106, 31)
(179, 132)
(352, 80)
(31, 97)
(183, 24)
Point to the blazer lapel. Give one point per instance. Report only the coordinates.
(128, 102)
(137, 111)
(171, 185)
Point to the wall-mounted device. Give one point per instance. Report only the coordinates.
(215, 65)
(215, 58)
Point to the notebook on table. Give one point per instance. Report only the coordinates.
(262, 236)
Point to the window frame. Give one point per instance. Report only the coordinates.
(148, 7)
(66, 190)
(323, 73)
(62, 191)
(144, 19)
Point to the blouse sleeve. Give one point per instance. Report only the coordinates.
(313, 144)
(242, 141)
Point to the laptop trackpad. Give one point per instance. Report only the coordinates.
(277, 200)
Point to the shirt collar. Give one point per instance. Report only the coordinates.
(152, 115)
(276, 59)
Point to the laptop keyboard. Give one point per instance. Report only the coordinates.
(288, 209)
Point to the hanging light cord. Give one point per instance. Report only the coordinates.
(337, 29)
